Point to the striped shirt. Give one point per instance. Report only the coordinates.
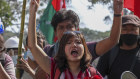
(87, 74)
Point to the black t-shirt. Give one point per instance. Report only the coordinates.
(122, 62)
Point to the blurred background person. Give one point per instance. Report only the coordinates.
(7, 70)
(28, 63)
(11, 45)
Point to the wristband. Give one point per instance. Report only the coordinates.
(117, 15)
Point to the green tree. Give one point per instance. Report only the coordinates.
(92, 35)
(6, 13)
(10, 12)
(99, 1)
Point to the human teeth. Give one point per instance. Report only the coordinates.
(74, 53)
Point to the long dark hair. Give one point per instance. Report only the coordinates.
(61, 59)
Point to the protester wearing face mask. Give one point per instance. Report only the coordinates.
(124, 56)
(41, 43)
(11, 46)
(30, 65)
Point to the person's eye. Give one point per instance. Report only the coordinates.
(68, 42)
(70, 26)
(78, 42)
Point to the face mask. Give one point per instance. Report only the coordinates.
(14, 58)
(129, 39)
(29, 54)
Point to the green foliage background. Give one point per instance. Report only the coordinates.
(6, 13)
(10, 12)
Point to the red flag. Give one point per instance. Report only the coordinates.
(58, 4)
(129, 4)
(133, 5)
(137, 8)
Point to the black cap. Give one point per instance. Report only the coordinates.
(131, 19)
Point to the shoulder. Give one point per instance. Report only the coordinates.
(9, 66)
(8, 61)
(114, 50)
(91, 47)
(55, 72)
(91, 43)
(7, 58)
(47, 48)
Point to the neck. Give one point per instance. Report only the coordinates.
(124, 46)
(74, 67)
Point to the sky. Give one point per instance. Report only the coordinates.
(92, 19)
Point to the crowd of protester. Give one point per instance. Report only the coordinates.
(71, 57)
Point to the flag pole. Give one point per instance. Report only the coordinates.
(18, 75)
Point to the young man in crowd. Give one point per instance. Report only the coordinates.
(124, 56)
